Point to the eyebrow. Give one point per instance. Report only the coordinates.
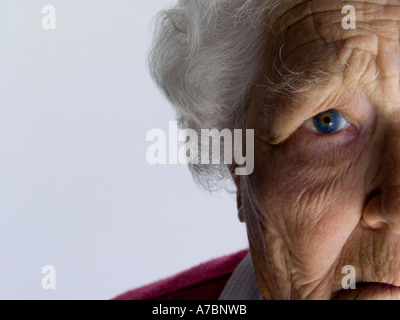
(285, 86)
(324, 65)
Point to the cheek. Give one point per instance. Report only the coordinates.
(314, 204)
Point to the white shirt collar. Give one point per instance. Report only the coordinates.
(242, 285)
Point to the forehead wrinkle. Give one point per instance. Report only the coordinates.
(309, 20)
(296, 14)
(297, 34)
(314, 30)
(286, 10)
(286, 81)
(302, 9)
(365, 34)
(362, 38)
(293, 12)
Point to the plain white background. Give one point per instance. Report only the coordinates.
(76, 191)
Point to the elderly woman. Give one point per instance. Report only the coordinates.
(322, 94)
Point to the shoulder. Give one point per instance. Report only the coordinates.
(203, 282)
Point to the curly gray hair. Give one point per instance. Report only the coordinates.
(206, 57)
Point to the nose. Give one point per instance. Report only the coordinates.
(383, 210)
(383, 207)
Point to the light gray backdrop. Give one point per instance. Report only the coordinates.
(76, 191)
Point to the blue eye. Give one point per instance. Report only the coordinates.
(327, 122)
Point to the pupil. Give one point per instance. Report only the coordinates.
(327, 120)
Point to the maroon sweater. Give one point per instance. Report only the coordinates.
(204, 282)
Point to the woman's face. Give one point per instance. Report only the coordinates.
(328, 184)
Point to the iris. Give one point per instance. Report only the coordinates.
(330, 121)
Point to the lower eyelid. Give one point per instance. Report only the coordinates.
(306, 147)
(320, 140)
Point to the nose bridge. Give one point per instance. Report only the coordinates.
(390, 160)
(390, 201)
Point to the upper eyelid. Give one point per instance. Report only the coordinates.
(349, 108)
(343, 114)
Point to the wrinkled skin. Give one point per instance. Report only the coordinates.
(328, 201)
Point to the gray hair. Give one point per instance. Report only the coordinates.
(206, 57)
